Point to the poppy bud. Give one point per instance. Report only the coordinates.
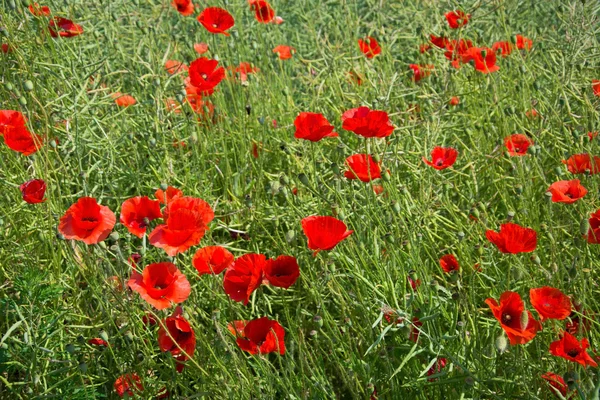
(12, 5)
(3, 31)
(290, 236)
(571, 378)
(318, 320)
(396, 207)
(248, 109)
(536, 260)
(103, 335)
(284, 180)
(501, 344)
(22, 101)
(152, 142)
(475, 213)
(82, 367)
(28, 86)
(584, 226)
(303, 178)
(341, 214)
(9, 86)
(312, 334)
(386, 176)
(114, 236)
(460, 235)
(376, 158)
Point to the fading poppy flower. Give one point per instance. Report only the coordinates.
(523, 43)
(173, 105)
(367, 123)
(458, 51)
(39, 11)
(63, 27)
(323, 232)
(362, 166)
(183, 7)
(569, 348)
(33, 191)
(173, 67)
(505, 47)
(284, 52)
(203, 108)
(200, 48)
(165, 196)
(10, 119)
(457, 18)
(176, 336)
(550, 303)
(263, 12)
(454, 101)
(369, 46)
(484, 59)
(216, 20)
(513, 238)
(442, 157)
(517, 144)
(449, 263)
(278, 20)
(137, 212)
(313, 127)
(22, 141)
(123, 100)
(519, 325)
(420, 71)
(87, 221)
(244, 277)
(98, 342)
(593, 236)
(557, 383)
(355, 77)
(567, 191)
(212, 260)
(424, 48)
(128, 383)
(204, 75)
(378, 189)
(160, 284)
(263, 336)
(582, 163)
(282, 272)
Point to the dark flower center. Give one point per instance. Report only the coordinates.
(506, 318)
(89, 219)
(204, 76)
(573, 353)
(439, 162)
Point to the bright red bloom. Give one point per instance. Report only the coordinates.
(165, 196)
(582, 163)
(513, 238)
(369, 46)
(137, 212)
(367, 123)
(5, 48)
(449, 263)
(483, 57)
(569, 348)
(557, 382)
(10, 119)
(88, 221)
(205, 76)
(593, 236)
(160, 284)
(183, 7)
(98, 342)
(457, 18)
(567, 191)
(284, 52)
(212, 260)
(550, 303)
(282, 272)
(39, 11)
(591, 135)
(517, 144)
(263, 336)
(519, 325)
(186, 221)
(313, 127)
(216, 20)
(458, 51)
(63, 27)
(523, 43)
(33, 191)
(420, 71)
(174, 66)
(263, 12)
(596, 87)
(324, 233)
(442, 157)
(200, 48)
(506, 48)
(362, 166)
(176, 336)
(123, 100)
(437, 368)
(244, 277)
(21, 140)
(439, 41)
(128, 383)
(454, 101)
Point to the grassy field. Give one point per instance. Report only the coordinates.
(375, 317)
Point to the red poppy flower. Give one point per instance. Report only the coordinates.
(160, 284)
(449, 263)
(484, 59)
(10, 119)
(420, 71)
(204, 75)
(128, 383)
(569, 348)
(245, 69)
(33, 191)
(457, 18)
(582, 163)
(523, 43)
(513, 238)
(439, 41)
(324, 233)
(183, 7)
(367, 123)
(436, 368)
(593, 236)
(591, 135)
(176, 336)
(558, 383)
(414, 283)
(123, 100)
(38, 10)
(533, 113)
(87, 221)
(137, 212)
(263, 12)
(98, 342)
(282, 272)
(519, 325)
(21, 140)
(204, 109)
(424, 48)
(458, 51)
(165, 196)
(5, 48)
(63, 27)
(567, 191)
(362, 166)
(212, 260)
(186, 221)
(216, 20)
(284, 52)
(454, 101)
(244, 277)
(442, 157)
(263, 336)
(369, 46)
(505, 47)
(517, 144)
(550, 303)
(313, 127)
(415, 329)
(201, 48)
(254, 150)
(174, 67)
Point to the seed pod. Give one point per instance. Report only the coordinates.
(376, 158)
(303, 178)
(70, 348)
(284, 180)
(519, 189)
(22, 101)
(114, 236)
(248, 109)
(318, 320)
(28, 86)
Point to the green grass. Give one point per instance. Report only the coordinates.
(55, 295)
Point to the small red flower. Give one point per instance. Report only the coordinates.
(454, 101)
(593, 236)
(567, 191)
(484, 59)
(513, 238)
(369, 46)
(532, 114)
(63, 27)
(324, 233)
(517, 144)
(263, 336)
(33, 191)
(128, 383)
(424, 48)
(173, 67)
(244, 277)
(569, 348)
(367, 123)
(137, 212)
(442, 157)
(582, 163)
(204, 75)
(160, 284)
(505, 47)
(313, 127)
(176, 336)
(201, 48)
(415, 329)
(245, 69)
(98, 342)
(436, 368)
(519, 325)
(123, 100)
(557, 383)
(165, 196)
(183, 7)
(284, 52)
(216, 20)
(263, 12)
(10, 119)
(550, 303)
(39, 11)
(282, 272)
(420, 71)
(5, 48)
(212, 260)
(592, 135)
(362, 166)
(439, 41)
(596, 86)
(87, 221)
(449, 263)
(458, 51)
(457, 18)
(21, 140)
(523, 43)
